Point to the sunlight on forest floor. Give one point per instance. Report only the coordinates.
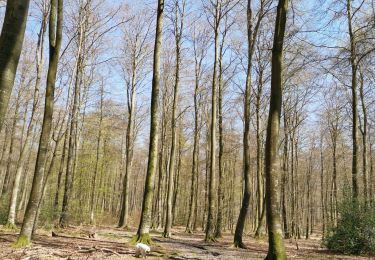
(111, 243)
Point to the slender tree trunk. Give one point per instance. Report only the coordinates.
(322, 198)
(364, 141)
(210, 226)
(99, 140)
(353, 63)
(194, 170)
(178, 28)
(276, 248)
(123, 222)
(55, 35)
(220, 187)
(6, 182)
(73, 132)
(11, 41)
(144, 225)
(25, 148)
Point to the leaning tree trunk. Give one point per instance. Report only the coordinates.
(11, 41)
(25, 148)
(276, 249)
(143, 233)
(55, 35)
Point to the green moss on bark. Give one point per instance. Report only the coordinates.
(143, 238)
(22, 241)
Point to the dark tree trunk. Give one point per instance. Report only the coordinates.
(11, 41)
(55, 35)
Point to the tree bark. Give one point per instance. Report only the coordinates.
(144, 225)
(178, 30)
(55, 36)
(276, 249)
(25, 148)
(353, 65)
(11, 41)
(73, 132)
(99, 140)
(251, 39)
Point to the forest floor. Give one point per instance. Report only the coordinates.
(112, 243)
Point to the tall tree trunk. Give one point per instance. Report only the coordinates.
(276, 248)
(210, 226)
(11, 41)
(143, 233)
(178, 29)
(353, 64)
(7, 177)
(322, 198)
(123, 222)
(73, 132)
(220, 187)
(55, 35)
(25, 148)
(194, 170)
(99, 140)
(364, 140)
(252, 33)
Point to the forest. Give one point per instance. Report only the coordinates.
(187, 129)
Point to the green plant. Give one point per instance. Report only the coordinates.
(355, 229)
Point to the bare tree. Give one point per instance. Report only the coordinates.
(276, 248)
(55, 38)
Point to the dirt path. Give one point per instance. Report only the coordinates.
(111, 243)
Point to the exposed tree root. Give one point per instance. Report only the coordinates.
(22, 241)
(210, 239)
(141, 238)
(10, 226)
(239, 244)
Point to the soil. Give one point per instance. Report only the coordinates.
(112, 243)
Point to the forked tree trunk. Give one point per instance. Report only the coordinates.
(251, 39)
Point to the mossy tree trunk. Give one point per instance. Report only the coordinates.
(143, 233)
(11, 41)
(55, 37)
(252, 32)
(276, 249)
(25, 148)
